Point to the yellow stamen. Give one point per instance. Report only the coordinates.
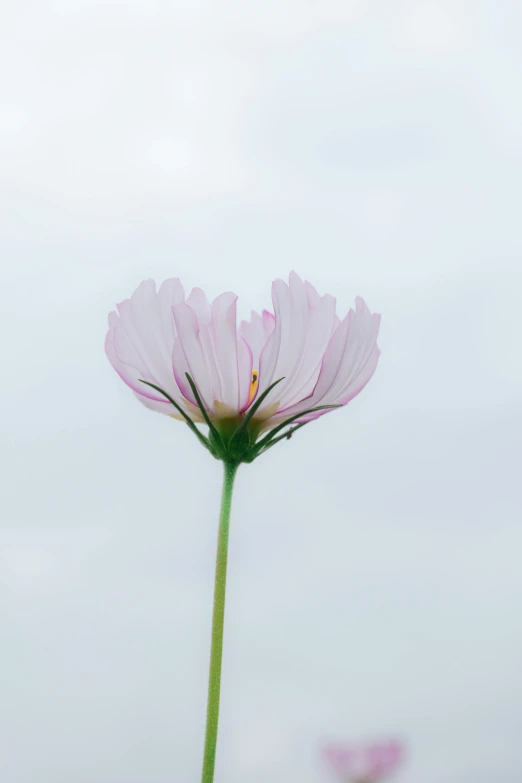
(254, 383)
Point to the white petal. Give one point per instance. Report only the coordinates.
(140, 339)
(349, 362)
(198, 301)
(188, 356)
(224, 342)
(294, 351)
(256, 333)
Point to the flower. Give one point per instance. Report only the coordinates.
(367, 763)
(186, 357)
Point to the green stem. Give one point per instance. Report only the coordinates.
(218, 619)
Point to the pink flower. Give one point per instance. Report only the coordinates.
(367, 763)
(186, 357)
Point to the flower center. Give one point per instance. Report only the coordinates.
(254, 383)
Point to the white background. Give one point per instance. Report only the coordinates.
(375, 580)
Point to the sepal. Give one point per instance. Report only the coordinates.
(235, 440)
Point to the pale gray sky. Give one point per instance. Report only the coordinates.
(375, 581)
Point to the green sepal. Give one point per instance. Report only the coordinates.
(235, 440)
(216, 446)
(187, 418)
(286, 435)
(211, 426)
(239, 444)
(269, 439)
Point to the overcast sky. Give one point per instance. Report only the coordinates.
(375, 582)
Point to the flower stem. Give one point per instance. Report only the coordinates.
(218, 618)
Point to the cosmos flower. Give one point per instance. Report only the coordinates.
(187, 358)
(367, 763)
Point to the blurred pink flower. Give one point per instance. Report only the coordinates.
(365, 763)
(160, 336)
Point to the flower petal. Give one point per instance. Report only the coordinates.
(294, 351)
(140, 339)
(245, 367)
(198, 301)
(318, 334)
(210, 352)
(364, 762)
(256, 333)
(189, 357)
(349, 362)
(225, 344)
(166, 407)
(159, 337)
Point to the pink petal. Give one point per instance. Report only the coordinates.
(339, 758)
(189, 357)
(319, 329)
(159, 337)
(371, 762)
(209, 350)
(256, 333)
(140, 339)
(282, 348)
(268, 322)
(383, 759)
(294, 351)
(245, 368)
(166, 407)
(170, 293)
(349, 362)
(198, 301)
(225, 344)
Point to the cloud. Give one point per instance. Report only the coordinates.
(373, 568)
